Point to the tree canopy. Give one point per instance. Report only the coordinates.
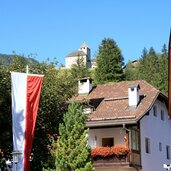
(109, 62)
(152, 67)
(56, 90)
(58, 86)
(71, 151)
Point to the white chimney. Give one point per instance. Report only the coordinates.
(84, 85)
(133, 94)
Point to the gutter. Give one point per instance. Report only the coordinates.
(110, 123)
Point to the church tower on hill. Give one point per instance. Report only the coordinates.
(83, 53)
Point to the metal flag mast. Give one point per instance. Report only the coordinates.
(27, 69)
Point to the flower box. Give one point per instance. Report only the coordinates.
(110, 153)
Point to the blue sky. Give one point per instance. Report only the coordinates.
(54, 28)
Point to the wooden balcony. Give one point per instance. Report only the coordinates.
(130, 160)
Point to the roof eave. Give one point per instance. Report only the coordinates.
(149, 108)
(91, 124)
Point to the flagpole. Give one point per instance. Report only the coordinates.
(27, 69)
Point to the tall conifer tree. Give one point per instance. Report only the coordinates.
(109, 62)
(163, 70)
(72, 152)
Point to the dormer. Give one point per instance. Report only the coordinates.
(133, 95)
(84, 85)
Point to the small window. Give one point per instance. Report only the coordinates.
(107, 142)
(168, 152)
(162, 115)
(83, 81)
(160, 146)
(132, 89)
(155, 111)
(135, 140)
(147, 145)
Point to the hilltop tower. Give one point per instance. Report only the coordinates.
(83, 53)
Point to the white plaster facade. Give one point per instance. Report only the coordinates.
(153, 124)
(154, 127)
(158, 131)
(83, 55)
(71, 60)
(96, 135)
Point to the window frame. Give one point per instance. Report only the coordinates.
(147, 145)
(167, 152)
(155, 110)
(135, 139)
(162, 115)
(107, 138)
(160, 146)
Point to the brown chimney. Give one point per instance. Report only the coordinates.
(169, 76)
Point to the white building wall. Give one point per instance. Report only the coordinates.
(69, 61)
(156, 130)
(96, 135)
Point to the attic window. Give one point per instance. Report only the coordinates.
(162, 115)
(132, 89)
(155, 111)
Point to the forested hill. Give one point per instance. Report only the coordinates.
(7, 59)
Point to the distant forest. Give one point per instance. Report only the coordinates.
(152, 66)
(8, 59)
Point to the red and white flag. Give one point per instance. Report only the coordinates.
(26, 90)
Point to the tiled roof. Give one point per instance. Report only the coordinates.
(114, 106)
(76, 53)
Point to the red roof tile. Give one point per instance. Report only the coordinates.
(116, 107)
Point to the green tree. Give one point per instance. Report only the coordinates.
(71, 150)
(109, 62)
(79, 70)
(163, 71)
(143, 67)
(56, 90)
(148, 68)
(131, 70)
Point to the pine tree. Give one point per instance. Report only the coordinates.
(163, 71)
(148, 68)
(152, 67)
(109, 62)
(71, 150)
(143, 69)
(152, 64)
(131, 71)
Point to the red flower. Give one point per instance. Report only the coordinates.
(101, 151)
(109, 151)
(120, 150)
